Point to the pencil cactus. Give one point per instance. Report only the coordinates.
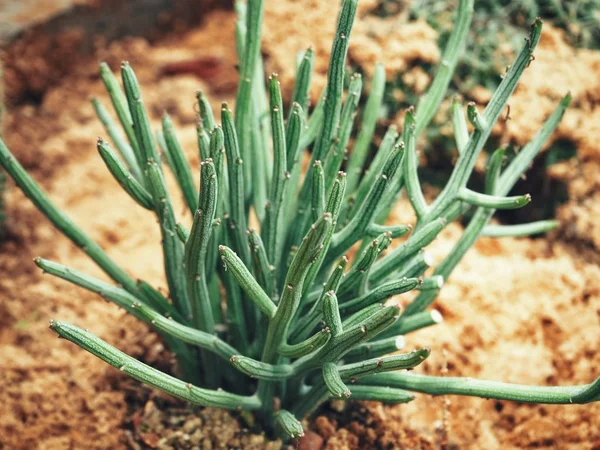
(298, 322)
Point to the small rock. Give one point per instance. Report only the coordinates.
(310, 441)
(149, 408)
(191, 424)
(324, 427)
(150, 439)
(338, 405)
(196, 437)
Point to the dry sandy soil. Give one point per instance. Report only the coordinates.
(517, 310)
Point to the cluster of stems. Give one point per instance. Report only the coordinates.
(277, 320)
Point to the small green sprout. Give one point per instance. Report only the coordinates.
(277, 320)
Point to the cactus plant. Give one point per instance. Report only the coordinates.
(272, 320)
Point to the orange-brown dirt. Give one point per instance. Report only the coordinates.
(516, 310)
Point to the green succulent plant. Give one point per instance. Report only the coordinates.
(274, 321)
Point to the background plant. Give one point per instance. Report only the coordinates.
(505, 24)
(296, 323)
(497, 31)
